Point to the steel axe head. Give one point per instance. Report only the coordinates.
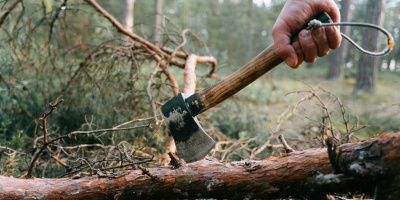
(192, 142)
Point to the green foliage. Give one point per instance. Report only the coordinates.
(380, 124)
(238, 121)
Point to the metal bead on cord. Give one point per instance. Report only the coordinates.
(313, 24)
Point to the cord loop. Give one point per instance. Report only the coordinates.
(313, 24)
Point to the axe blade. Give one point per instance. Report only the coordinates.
(192, 142)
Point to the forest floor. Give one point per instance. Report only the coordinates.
(257, 110)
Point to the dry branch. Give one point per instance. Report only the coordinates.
(39, 151)
(163, 56)
(370, 166)
(190, 75)
(151, 47)
(51, 142)
(7, 11)
(190, 71)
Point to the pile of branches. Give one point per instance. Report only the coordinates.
(52, 151)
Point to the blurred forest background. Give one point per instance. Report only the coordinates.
(112, 91)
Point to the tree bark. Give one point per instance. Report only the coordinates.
(157, 22)
(367, 66)
(338, 56)
(370, 166)
(374, 163)
(251, 32)
(128, 20)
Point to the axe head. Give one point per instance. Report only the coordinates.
(192, 142)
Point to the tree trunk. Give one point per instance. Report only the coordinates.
(251, 32)
(367, 66)
(157, 22)
(393, 58)
(370, 166)
(128, 20)
(338, 56)
(186, 14)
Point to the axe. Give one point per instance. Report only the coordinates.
(192, 142)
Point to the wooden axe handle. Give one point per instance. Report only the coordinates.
(215, 94)
(261, 64)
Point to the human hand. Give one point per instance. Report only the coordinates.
(310, 44)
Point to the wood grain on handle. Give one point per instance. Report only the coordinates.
(213, 95)
(261, 64)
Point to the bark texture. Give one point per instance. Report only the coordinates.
(367, 166)
(338, 56)
(157, 22)
(367, 66)
(374, 163)
(128, 20)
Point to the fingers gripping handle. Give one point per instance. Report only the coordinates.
(258, 66)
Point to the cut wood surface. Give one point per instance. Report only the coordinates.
(370, 166)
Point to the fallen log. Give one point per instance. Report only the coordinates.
(371, 167)
(373, 164)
